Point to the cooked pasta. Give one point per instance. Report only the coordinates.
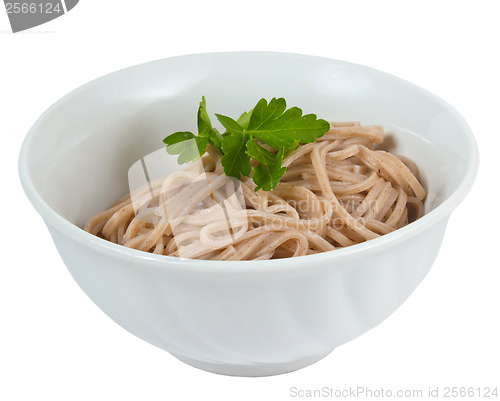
(336, 192)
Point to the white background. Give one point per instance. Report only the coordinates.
(55, 344)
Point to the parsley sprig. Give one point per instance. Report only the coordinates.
(268, 123)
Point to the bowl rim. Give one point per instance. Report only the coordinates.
(436, 215)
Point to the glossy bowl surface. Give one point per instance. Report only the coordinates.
(240, 318)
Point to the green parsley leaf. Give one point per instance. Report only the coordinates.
(267, 176)
(257, 152)
(205, 128)
(280, 128)
(188, 146)
(271, 123)
(244, 119)
(235, 160)
(263, 111)
(291, 149)
(232, 126)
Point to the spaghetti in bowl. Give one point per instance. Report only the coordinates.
(248, 318)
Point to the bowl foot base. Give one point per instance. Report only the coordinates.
(256, 370)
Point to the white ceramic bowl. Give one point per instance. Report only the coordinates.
(239, 318)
